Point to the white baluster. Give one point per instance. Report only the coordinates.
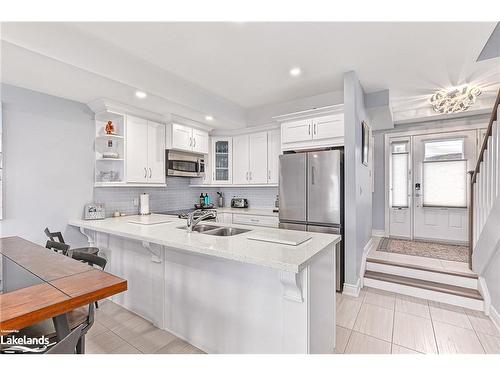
(496, 158)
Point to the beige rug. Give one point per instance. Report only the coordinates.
(455, 253)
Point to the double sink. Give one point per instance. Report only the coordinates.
(214, 230)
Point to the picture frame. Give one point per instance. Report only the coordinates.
(365, 143)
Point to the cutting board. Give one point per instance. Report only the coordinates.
(150, 220)
(291, 238)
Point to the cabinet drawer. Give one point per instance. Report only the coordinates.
(262, 221)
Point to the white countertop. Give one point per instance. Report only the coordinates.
(238, 248)
(248, 211)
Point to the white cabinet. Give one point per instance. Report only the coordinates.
(257, 220)
(200, 141)
(186, 138)
(222, 160)
(145, 151)
(273, 153)
(296, 131)
(156, 152)
(250, 159)
(321, 131)
(328, 127)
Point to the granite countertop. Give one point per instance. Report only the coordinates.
(238, 248)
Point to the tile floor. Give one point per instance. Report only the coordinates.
(379, 322)
(119, 331)
(376, 322)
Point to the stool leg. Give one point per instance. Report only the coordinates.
(80, 346)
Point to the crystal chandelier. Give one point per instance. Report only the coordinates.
(455, 100)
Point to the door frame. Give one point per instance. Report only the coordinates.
(439, 128)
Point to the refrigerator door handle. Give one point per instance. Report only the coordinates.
(313, 170)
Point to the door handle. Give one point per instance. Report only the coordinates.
(150, 173)
(190, 141)
(250, 174)
(312, 176)
(145, 173)
(314, 128)
(309, 130)
(194, 142)
(246, 176)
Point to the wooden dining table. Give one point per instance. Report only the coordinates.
(39, 284)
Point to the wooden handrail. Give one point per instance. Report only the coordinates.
(489, 131)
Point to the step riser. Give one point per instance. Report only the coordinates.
(432, 295)
(437, 277)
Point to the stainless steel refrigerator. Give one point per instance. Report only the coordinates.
(311, 194)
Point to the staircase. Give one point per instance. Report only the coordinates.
(456, 287)
(452, 287)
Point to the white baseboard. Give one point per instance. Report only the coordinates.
(352, 289)
(378, 232)
(495, 317)
(483, 289)
(362, 268)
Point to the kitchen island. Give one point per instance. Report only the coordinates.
(228, 294)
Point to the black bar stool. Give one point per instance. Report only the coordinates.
(58, 235)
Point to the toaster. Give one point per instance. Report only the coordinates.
(94, 211)
(239, 202)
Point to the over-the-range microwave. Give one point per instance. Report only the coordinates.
(184, 164)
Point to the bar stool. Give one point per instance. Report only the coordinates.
(58, 235)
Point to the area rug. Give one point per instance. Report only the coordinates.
(434, 250)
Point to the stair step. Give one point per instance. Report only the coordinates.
(422, 268)
(424, 284)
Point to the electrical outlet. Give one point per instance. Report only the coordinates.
(136, 202)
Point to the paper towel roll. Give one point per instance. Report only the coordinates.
(144, 204)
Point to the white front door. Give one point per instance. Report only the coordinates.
(441, 185)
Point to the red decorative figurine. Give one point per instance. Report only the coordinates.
(110, 128)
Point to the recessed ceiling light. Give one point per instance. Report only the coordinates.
(140, 94)
(209, 118)
(294, 72)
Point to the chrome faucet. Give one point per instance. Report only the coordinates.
(192, 222)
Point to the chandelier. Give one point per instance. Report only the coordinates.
(455, 100)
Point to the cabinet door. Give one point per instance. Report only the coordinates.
(137, 150)
(296, 131)
(182, 137)
(156, 152)
(328, 126)
(258, 158)
(273, 156)
(200, 141)
(240, 160)
(222, 160)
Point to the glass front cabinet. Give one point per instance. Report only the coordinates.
(222, 151)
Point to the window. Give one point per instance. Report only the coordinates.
(399, 174)
(444, 174)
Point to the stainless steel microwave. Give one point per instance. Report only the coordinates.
(184, 164)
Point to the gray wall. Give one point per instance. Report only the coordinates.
(358, 194)
(48, 164)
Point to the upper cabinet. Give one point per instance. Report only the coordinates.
(222, 160)
(145, 151)
(250, 159)
(321, 131)
(186, 138)
(273, 156)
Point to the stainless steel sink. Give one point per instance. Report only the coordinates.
(227, 231)
(200, 228)
(214, 230)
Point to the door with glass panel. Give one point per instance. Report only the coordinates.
(440, 185)
(222, 169)
(400, 217)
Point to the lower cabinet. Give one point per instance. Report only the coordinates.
(245, 219)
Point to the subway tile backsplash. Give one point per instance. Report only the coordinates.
(178, 195)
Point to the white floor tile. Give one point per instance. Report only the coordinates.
(455, 340)
(414, 332)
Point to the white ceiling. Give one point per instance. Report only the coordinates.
(233, 67)
(248, 63)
